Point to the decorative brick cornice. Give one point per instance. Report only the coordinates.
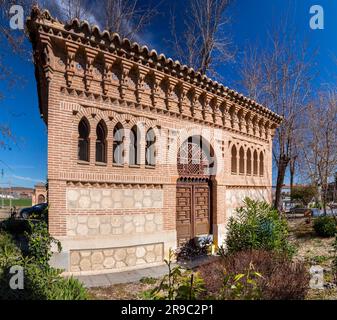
(145, 77)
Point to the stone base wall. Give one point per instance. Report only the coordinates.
(115, 258)
(104, 225)
(235, 196)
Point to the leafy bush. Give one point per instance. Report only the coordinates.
(304, 193)
(41, 281)
(257, 226)
(15, 226)
(275, 276)
(178, 284)
(193, 248)
(325, 226)
(40, 242)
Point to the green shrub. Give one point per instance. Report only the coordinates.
(40, 242)
(325, 226)
(255, 274)
(178, 284)
(257, 225)
(15, 226)
(41, 282)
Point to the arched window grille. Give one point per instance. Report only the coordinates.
(255, 168)
(261, 164)
(234, 160)
(118, 144)
(134, 146)
(101, 142)
(83, 140)
(150, 152)
(241, 161)
(249, 162)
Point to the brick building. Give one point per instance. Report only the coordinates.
(40, 194)
(143, 153)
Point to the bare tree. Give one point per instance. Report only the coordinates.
(319, 142)
(204, 43)
(127, 17)
(79, 9)
(278, 75)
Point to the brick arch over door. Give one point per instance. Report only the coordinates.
(195, 186)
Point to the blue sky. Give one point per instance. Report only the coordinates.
(25, 164)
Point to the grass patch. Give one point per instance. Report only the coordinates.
(17, 202)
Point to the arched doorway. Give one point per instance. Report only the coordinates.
(41, 198)
(195, 163)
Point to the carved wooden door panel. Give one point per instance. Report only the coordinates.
(184, 213)
(193, 211)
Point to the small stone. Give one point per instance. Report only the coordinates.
(86, 253)
(128, 218)
(120, 264)
(107, 203)
(106, 193)
(140, 252)
(138, 195)
(149, 216)
(131, 260)
(95, 195)
(117, 205)
(93, 222)
(116, 221)
(72, 195)
(105, 229)
(120, 254)
(150, 226)
(92, 232)
(128, 192)
(140, 261)
(150, 247)
(158, 219)
(157, 195)
(117, 231)
(158, 250)
(140, 229)
(82, 229)
(85, 264)
(104, 219)
(82, 219)
(72, 222)
(157, 204)
(128, 203)
(116, 195)
(131, 250)
(150, 257)
(97, 257)
(75, 258)
(84, 202)
(97, 267)
(138, 205)
(129, 228)
(109, 263)
(75, 269)
(139, 220)
(147, 202)
(108, 252)
(95, 205)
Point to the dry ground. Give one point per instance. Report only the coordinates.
(312, 250)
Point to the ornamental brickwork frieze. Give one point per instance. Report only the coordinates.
(116, 68)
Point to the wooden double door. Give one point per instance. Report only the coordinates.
(193, 210)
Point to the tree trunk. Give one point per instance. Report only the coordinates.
(292, 175)
(282, 166)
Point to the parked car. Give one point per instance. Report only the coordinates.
(37, 212)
